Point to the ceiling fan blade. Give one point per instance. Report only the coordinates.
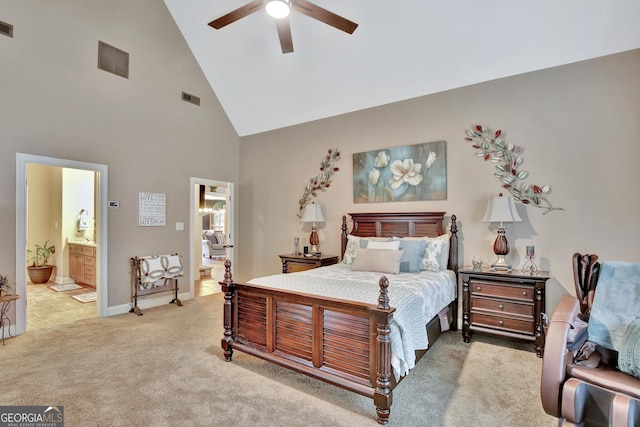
(237, 14)
(323, 15)
(284, 33)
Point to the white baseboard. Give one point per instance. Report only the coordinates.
(145, 303)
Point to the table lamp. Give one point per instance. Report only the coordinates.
(313, 214)
(501, 209)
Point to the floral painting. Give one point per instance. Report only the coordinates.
(398, 174)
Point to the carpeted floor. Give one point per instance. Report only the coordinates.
(166, 368)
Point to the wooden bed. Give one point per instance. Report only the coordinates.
(342, 342)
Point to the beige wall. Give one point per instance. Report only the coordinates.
(56, 103)
(578, 124)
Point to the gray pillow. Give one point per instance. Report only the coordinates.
(411, 261)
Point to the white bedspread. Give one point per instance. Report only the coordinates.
(417, 297)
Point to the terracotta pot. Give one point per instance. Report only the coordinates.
(40, 274)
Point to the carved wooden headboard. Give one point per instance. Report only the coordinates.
(402, 224)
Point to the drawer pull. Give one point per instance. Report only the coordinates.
(501, 323)
(524, 293)
(501, 306)
(478, 288)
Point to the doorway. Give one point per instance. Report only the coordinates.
(211, 234)
(101, 181)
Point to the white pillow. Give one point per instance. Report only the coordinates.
(378, 260)
(393, 244)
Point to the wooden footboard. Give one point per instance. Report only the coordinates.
(329, 339)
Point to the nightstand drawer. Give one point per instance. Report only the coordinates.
(292, 267)
(505, 323)
(293, 263)
(502, 306)
(524, 293)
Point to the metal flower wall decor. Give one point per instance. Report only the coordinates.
(508, 158)
(322, 181)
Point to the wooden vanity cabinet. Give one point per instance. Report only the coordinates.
(82, 264)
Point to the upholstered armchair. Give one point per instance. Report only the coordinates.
(216, 244)
(591, 364)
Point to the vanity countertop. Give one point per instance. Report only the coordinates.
(82, 242)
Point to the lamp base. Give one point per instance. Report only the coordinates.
(314, 240)
(501, 264)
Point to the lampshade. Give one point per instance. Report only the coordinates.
(501, 209)
(312, 214)
(278, 8)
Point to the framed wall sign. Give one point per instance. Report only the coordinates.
(151, 209)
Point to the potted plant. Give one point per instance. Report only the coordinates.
(39, 271)
(5, 286)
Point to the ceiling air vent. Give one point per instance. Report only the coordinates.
(6, 29)
(113, 60)
(190, 98)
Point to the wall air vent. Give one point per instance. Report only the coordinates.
(113, 60)
(6, 29)
(190, 98)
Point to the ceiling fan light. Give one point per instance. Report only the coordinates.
(278, 8)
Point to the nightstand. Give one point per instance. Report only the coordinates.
(292, 263)
(504, 304)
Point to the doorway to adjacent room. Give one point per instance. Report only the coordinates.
(212, 233)
(94, 233)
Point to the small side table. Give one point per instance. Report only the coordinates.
(4, 318)
(504, 304)
(292, 263)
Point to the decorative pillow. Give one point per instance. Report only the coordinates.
(220, 237)
(354, 243)
(431, 255)
(615, 304)
(412, 250)
(378, 260)
(629, 354)
(441, 242)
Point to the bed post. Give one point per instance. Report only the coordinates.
(343, 236)
(229, 289)
(453, 265)
(382, 397)
(453, 251)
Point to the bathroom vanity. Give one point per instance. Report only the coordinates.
(82, 263)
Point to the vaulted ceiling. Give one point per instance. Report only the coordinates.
(401, 49)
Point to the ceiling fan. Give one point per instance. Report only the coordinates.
(280, 9)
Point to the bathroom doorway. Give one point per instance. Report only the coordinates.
(86, 233)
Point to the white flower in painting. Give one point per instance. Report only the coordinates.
(374, 175)
(430, 159)
(381, 160)
(405, 171)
